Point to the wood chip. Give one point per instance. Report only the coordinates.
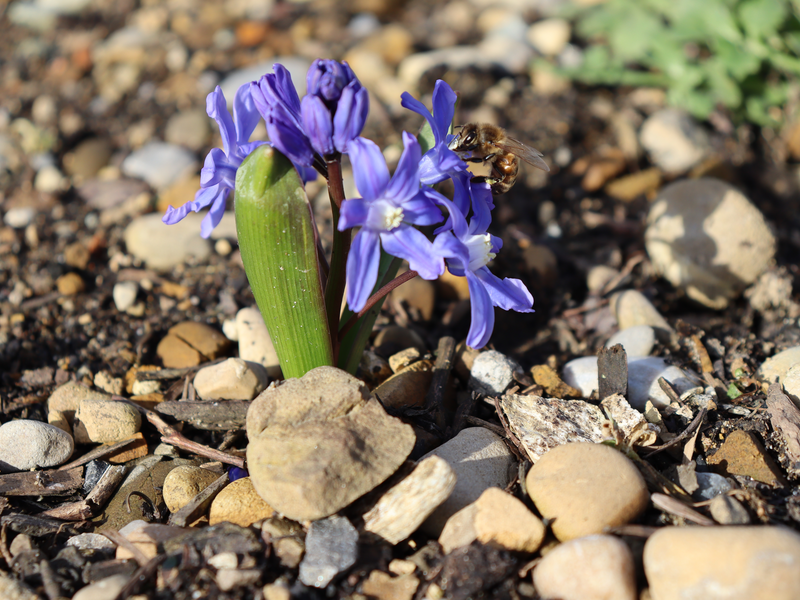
(675, 507)
(785, 419)
(612, 369)
(206, 414)
(41, 483)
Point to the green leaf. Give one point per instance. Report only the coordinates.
(762, 17)
(733, 392)
(277, 240)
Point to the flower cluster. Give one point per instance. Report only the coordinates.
(313, 132)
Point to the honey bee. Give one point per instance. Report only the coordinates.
(491, 145)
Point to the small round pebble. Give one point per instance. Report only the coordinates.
(103, 589)
(492, 373)
(637, 340)
(730, 563)
(104, 421)
(124, 294)
(255, 344)
(605, 571)
(27, 444)
(585, 488)
(91, 541)
(239, 503)
(183, 483)
(232, 379)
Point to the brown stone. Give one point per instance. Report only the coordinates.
(743, 454)
(408, 387)
(383, 586)
(239, 503)
(205, 339)
(70, 284)
(548, 378)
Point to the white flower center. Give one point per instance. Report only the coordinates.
(480, 251)
(386, 216)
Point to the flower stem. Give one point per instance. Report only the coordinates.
(376, 297)
(334, 290)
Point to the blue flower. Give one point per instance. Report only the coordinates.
(218, 174)
(467, 250)
(386, 212)
(439, 163)
(332, 113)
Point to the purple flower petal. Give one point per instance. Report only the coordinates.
(444, 106)
(245, 115)
(362, 268)
(350, 116)
(215, 212)
(217, 109)
(289, 139)
(410, 244)
(508, 294)
(422, 209)
(405, 182)
(353, 213)
(317, 124)
(369, 168)
(482, 313)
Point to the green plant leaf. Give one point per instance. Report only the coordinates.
(762, 18)
(277, 240)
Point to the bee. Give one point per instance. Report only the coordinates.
(491, 145)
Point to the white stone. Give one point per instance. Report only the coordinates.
(549, 36)
(643, 375)
(232, 379)
(27, 444)
(637, 341)
(480, 460)
(103, 589)
(631, 308)
(124, 294)
(705, 237)
(19, 217)
(595, 567)
(162, 247)
(50, 180)
(160, 164)
(674, 141)
(255, 344)
(91, 541)
(776, 367)
(492, 373)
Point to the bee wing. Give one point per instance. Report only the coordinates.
(530, 155)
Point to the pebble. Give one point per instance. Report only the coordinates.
(492, 373)
(402, 509)
(19, 217)
(643, 375)
(88, 157)
(632, 308)
(383, 586)
(542, 424)
(66, 398)
(630, 187)
(162, 247)
(585, 488)
(239, 503)
(288, 540)
(228, 579)
(232, 379)
(319, 442)
(595, 567)
(160, 164)
(106, 382)
(70, 284)
(408, 387)
(730, 563)
(496, 518)
(124, 294)
(727, 510)
(104, 421)
(91, 541)
(10, 588)
(190, 343)
(674, 140)
(331, 547)
(710, 485)
(705, 237)
(638, 340)
(146, 537)
(26, 444)
(104, 194)
(50, 180)
(183, 483)
(255, 344)
(103, 589)
(549, 36)
(188, 128)
(743, 454)
(777, 367)
(480, 460)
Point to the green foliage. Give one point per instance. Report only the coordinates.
(740, 54)
(277, 240)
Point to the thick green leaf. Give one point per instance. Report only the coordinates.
(277, 240)
(762, 17)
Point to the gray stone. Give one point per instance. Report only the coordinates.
(492, 373)
(637, 340)
(232, 379)
(160, 164)
(727, 510)
(632, 308)
(710, 485)
(595, 567)
(162, 247)
(674, 141)
(11, 589)
(91, 541)
(319, 442)
(26, 444)
(402, 509)
(331, 547)
(704, 236)
(480, 460)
